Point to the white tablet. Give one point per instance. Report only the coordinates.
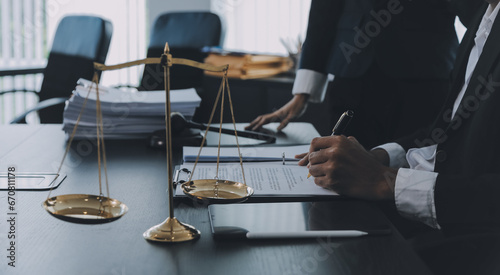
(339, 218)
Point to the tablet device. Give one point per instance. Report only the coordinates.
(297, 220)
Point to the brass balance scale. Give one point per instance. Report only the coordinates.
(82, 208)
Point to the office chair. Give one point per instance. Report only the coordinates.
(186, 33)
(79, 41)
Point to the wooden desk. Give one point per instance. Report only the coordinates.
(46, 245)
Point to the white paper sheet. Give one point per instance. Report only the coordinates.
(266, 178)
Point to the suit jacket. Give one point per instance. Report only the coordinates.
(407, 39)
(467, 190)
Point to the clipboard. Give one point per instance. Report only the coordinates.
(271, 181)
(31, 181)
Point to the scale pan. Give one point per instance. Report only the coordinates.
(217, 191)
(81, 208)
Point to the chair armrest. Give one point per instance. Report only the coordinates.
(124, 86)
(21, 71)
(41, 105)
(18, 91)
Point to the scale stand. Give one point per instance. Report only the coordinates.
(171, 230)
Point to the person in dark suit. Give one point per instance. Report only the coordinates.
(453, 180)
(390, 60)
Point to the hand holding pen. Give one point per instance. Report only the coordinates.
(341, 125)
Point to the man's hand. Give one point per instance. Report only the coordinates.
(304, 159)
(343, 165)
(379, 154)
(294, 108)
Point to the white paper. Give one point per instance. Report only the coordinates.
(254, 153)
(267, 179)
(124, 112)
(111, 95)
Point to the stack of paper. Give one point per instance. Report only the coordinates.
(248, 154)
(125, 113)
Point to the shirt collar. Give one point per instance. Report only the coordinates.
(489, 16)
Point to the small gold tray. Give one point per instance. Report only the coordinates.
(81, 208)
(217, 191)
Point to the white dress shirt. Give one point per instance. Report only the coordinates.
(312, 83)
(414, 190)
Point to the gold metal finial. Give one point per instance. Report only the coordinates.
(167, 48)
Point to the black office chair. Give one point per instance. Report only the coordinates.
(78, 43)
(186, 33)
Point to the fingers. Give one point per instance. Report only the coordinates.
(284, 123)
(260, 121)
(316, 170)
(355, 142)
(304, 159)
(299, 156)
(295, 107)
(319, 157)
(322, 181)
(326, 142)
(254, 124)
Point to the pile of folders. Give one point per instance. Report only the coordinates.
(249, 66)
(126, 113)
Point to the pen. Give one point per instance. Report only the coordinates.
(307, 234)
(340, 126)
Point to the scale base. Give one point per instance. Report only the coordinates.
(171, 230)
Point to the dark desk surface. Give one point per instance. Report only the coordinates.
(137, 173)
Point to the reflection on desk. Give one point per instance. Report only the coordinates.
(137, 176)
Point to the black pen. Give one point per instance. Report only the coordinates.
(340, 126)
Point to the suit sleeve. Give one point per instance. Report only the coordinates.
(468, 202)
(321, 31)
(420, 138)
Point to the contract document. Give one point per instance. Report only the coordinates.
(268, 179)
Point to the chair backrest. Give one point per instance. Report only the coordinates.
(78, 43)
(186, 33)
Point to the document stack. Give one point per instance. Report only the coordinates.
(125, 113)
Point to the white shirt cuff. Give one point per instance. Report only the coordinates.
(414, 195)
(397, 155)
(312, 83)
